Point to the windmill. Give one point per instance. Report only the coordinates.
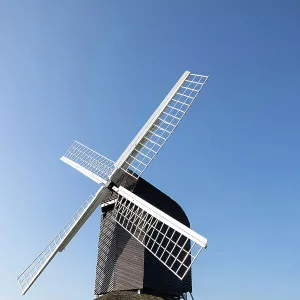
(145, 240)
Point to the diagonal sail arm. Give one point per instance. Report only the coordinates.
(90, 163)
(171, 242)
(157, 130)
(29, 276)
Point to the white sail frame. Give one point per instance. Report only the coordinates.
(172, 243)
(31, 274)
(89, 162)
(157, 130)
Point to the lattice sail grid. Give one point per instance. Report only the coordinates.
(171, 243)
(89, 162)
(27, 278)
(164, 125)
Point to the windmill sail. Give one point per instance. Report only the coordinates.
(148, 142)
(172, 243)
(90, 163)
(29, 276)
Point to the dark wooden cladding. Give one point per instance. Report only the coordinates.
(123, 263)
(156, 275)
(129, 267)
(105, 272)
(120, 263)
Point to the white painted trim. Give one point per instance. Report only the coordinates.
(108, 203)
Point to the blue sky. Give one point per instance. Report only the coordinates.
(94, 71)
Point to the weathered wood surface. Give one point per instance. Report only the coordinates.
(127, 295)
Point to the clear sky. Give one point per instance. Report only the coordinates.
(94, 71)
